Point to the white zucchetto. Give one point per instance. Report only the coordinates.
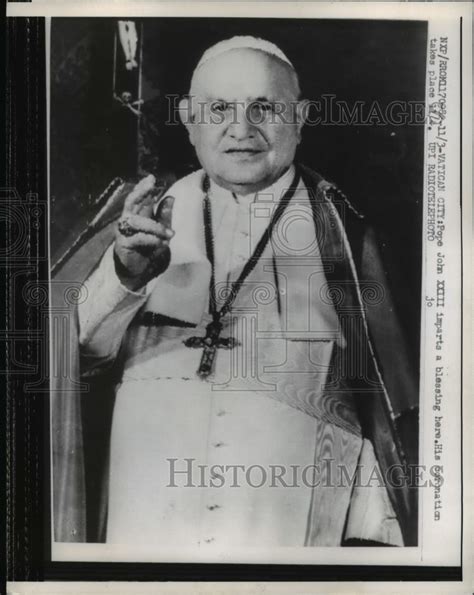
(238, 42)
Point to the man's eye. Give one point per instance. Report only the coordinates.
(260, 109)
(265, 107)
(219, 106)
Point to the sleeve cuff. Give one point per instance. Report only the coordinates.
(108, 299)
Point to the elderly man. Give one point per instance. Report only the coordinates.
(250, 396)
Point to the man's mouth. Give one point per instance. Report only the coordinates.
(244, 151)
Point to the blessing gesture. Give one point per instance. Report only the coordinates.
(141, 250)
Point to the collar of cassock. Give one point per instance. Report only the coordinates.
(276, 190)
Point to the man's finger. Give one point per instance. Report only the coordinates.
(140, 198)
(144, 240)
(131, 224)
(164, 210)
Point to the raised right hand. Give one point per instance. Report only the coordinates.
(141, 250)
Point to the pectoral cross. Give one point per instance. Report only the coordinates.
(210, 343)
(213, 341)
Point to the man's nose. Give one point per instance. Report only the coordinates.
(240, 128)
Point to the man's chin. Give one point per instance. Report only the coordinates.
(241, 185)
(245, 174)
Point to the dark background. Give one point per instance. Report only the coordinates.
(94, 139)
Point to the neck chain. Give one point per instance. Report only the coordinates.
(212, 340)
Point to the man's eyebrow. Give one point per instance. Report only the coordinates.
(232, 101)
(263, 99)
(212, 98)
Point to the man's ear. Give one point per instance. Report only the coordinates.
(301, 114)
(186, 115)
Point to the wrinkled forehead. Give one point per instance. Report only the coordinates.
(244, 74)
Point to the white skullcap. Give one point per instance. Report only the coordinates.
(242, 42)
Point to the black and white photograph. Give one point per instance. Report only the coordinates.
(244, 221)
(254, 288)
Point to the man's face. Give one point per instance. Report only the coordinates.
(246, 123)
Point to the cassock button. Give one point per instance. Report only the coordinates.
(210, 540)
(219, 444)
(212, 507)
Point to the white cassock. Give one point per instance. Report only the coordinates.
(172, 432)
